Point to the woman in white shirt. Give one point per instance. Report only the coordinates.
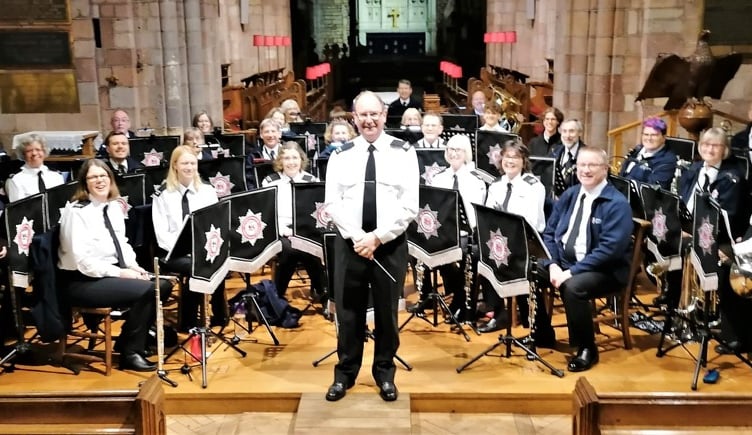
(289, 166)
(182, 193)
(99, 266)
(35, 176)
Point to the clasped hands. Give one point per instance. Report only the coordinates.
(557, 276)
(135, 272)
(366, 246)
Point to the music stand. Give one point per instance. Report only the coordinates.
(630, 189)
(261, 170)
(434, 239)
(329, 262)
(685, 149)
(226, 175)
(254, 240)
(56, 199)
(205, 237)
(543, 168)
(431, 161)
(321, 165)
(487, 152)
(23, 219)
(508, 248)
(154, 176)
(309, 221)
(459, 124)
(235, 143)
(153, 150)
(405, 134)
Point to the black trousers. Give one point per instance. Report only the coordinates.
(136, 294)
(288, 260)
(576, 293)
(355, 278)
(190, 301)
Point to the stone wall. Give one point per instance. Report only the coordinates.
(331, 23)
(603, 51)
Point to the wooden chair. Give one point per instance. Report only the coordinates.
(81, 332)
(615, 311)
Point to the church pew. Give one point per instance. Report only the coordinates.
(117, 411)
(598, 413)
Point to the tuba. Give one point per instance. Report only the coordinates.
(741, 270)
(510, 108)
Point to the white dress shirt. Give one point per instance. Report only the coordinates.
(85, 242)
(580, 244)
(266, 152)
(527, 199)
(397, 184)
(438, 143)
(497, 128)
(472, 188)
(167, 210)
(26, 182)
(284, 197)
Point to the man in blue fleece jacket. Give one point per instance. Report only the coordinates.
(589, 238)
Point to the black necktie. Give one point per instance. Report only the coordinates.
(404, 104)
(271, 155)
(706, 183)
(369, 193)
(121, 170)
(456, 183)
(118, 250)
(184, 204)
(40, 182)
(505, 204)
(575, 230)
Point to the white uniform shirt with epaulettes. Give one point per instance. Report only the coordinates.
(471, 186)
(85, 242)
(527, 200)
(167, 210)
(397, 185)
(26, 183)
(284, 196)
(438, 143)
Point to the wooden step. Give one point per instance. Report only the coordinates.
(65, 429)
(358, 413)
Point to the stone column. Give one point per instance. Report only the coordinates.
(174, 106)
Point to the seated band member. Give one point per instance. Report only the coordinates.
(543, 144)
(459, 176)
(35, 176)
(566, 154)
(491, 118)
(411, 119)
(121, 124)
(291, 109)
(182, 193)
(516, 191)
(289, 166)
(270, 133)
(203, 122)
(588, 236)
(337, 133)
(405, 99)
(194, 138)
(651, 162)
(118, 155)
(99, 266)
(432, 126)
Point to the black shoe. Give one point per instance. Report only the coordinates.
(388, 391)
(136, 362)
(336, 391)
(419, 307)
(493, 325)
(545, 338)
(118, 348)
(586, 358)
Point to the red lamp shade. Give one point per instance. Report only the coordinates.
(486, 37)
(320, 70)
(510, 37)
(258, 40)
(286, 41)
(278, 40)
(268, 40)
(310, 73)
(327, 68)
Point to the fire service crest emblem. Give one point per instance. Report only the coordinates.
(498, 248)
(222, 184)
(251, 227)
(428, 222)
(213, 244)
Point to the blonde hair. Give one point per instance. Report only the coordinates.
(411, 111)
(290, 146)
(328, 133)
(172, 174)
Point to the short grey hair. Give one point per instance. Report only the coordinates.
(28, 140)
(462, 142)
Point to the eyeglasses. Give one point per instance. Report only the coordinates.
(96, 177)
(512, 157)
(589, 166)
(293, 113)
(370, 115)
(712, 144)
(456, 150)
(650, 135)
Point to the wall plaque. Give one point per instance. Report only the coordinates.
(39, 92)
(34, 11)
(34, 49)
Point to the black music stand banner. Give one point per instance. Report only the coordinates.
(232, 144)
(630, 190)
(459, 124)
(205, 236)
(410, 135)
(488, 151)
(321, 165)
(662, 209)
(709, 229)
(543, 168)
(154, 176)
(254, 235)
(262, 169)
(431, 161)
(132, 190)
(227, 175)
(56, 198)
(433, 237)
(309, 218)
(505, 243)
(23, 219)
(153, 150)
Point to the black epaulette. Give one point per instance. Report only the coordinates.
(396, 143)
(82, 204)
(307, 178)
(345, 147)
(477, 175)
(530, 179)
(272, 177)
(158, 191)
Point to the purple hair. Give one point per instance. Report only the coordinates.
(656, 124)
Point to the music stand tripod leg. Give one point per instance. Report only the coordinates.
(408, 367)
(260, 316)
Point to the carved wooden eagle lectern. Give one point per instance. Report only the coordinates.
(695, 76)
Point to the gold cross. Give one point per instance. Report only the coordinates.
(394, 15)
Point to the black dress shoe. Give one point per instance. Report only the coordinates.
(388, 391)
(492, 326)
(136, 362)
(146, 353)
(336, 391)
(586, 358)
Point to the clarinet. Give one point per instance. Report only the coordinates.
(160, 328)
(419, 269)
(468, 282)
